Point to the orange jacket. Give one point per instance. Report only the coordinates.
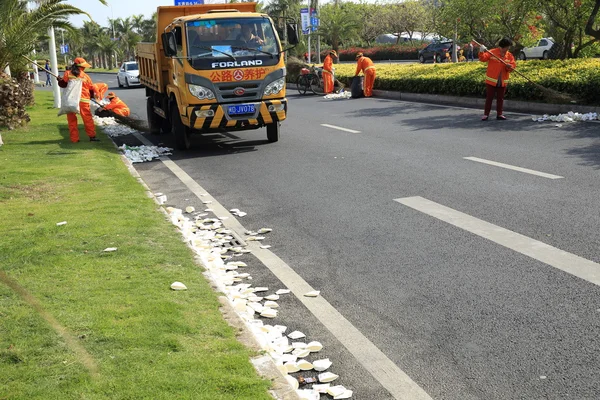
(117, 106)
(497, 71)
(328, 64)
(87, 83)
(363, 64)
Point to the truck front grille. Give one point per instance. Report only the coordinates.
(252, 90)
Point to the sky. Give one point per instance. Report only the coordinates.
(119, 9)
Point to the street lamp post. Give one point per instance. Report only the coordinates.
(54, 64)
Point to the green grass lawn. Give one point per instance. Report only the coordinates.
(80, 323)
(115, 70)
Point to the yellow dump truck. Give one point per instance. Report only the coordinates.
(214, 67)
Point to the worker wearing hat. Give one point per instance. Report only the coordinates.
(365, 64)
(328, 71)
(87, 92)
(117, 106)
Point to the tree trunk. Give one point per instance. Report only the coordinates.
(589, 27)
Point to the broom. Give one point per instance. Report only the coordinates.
(131, 122)
(551, 95)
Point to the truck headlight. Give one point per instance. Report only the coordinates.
(201, 92)
(275, 87)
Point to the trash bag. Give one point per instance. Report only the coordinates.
(356, 87)
(70, 97)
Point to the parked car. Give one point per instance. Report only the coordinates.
(129, 74)
(541, 50)
(437, 48)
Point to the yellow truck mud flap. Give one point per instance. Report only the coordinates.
(215, 116)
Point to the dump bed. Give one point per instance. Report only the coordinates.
(153, 65)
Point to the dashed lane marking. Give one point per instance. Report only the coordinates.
(339, 128)
(514, 168)
(567, 262)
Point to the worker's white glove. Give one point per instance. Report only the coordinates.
(482, 48)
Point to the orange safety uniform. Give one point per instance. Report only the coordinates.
(328, 74)
(118, 107)
(365, 64)
(497, 73)
(99, 90)
(84, 105)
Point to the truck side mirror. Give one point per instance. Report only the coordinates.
(292, 34)
(169, 44)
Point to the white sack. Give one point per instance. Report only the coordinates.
(70, 97)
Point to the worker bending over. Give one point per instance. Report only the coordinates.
(365, 64)
(116, 106)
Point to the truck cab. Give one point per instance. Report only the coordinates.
(214, 68)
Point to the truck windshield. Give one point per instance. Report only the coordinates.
(227, 39)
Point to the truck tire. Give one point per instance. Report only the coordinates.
(180, 132)
(154, 121)
(273, 132)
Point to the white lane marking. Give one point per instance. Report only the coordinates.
(508, 166)
(567, 262)
(340, 128)
(366, 353)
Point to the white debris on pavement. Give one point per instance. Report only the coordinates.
(138, 154)
(338, 96)
(255, 305)
(568, 117)
(112, 127)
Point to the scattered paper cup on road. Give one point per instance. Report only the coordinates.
(327, 377)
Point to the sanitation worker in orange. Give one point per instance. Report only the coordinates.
(500, 63)
(116, 106)
(328, 72)
(87, 92)
(365, 64)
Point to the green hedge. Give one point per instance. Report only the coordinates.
(579, 78)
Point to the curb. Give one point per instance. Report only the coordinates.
(473, 102)
(525, 107)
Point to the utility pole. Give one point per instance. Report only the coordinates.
(62, 33)
(36, 74)
(112, 23)
(318, 34)
(54, 64)
(455, 45)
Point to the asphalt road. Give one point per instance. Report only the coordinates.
(465, 317)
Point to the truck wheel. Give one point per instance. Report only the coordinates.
(180, 132)
(273, 132)
(154, 121)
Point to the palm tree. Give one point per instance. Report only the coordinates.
(20, 28)
(90, 33)
(127, 36)
(337, 24)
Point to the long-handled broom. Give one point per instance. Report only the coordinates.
(551, 95)
(131, 122)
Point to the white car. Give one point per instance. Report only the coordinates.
(541, 50)
(129, 74)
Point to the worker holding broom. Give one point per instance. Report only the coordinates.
(87, 92)
(328, 72)
(116, 106)
(365, 64)
(500, 63)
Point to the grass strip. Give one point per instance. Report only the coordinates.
(80, 323)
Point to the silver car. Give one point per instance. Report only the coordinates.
(129, 74)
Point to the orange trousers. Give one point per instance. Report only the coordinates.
(88, 122)
(369, 82)
(327, 82)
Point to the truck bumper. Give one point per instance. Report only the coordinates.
(216, 117)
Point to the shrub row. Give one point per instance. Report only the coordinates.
(576, 77)
(15, 95)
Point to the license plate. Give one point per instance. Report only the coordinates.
(241, 109)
